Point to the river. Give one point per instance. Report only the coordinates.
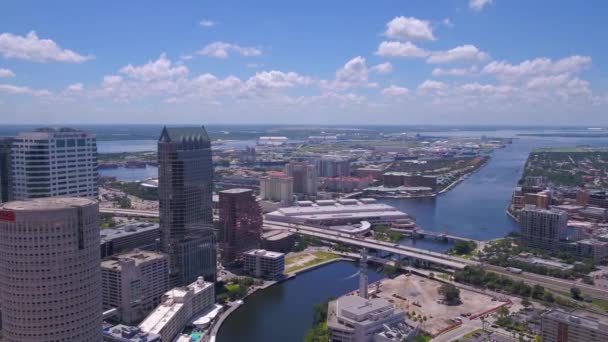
(283, 312)
(474, 208)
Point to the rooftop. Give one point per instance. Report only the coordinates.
(595, 322)
(109, 234)
(47, 203)
(139, 257)
(235, 191)
(178, 134)
(264, 253)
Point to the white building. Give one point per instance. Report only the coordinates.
(178, 307)
(557, 326)
(277, 188)
(272, 141)
(49, 162)
(356, 319)
(344, 211)
(134, 283)
(50, 279)
(264, 264)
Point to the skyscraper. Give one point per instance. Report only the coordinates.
(304, 176)
(50, 279)
(332, 167)
(542, 228)
(51, 162)
(241, 223)
(6, 170)
(185, 186)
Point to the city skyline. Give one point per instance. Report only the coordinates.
(449, 62)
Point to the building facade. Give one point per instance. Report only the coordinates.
(305, 180)
(278, 188)
(240, 223)
(177, 308)
(541, 228)
(560, 326)
(396, 179)
(140, 235)
(134, 283)
(332, 167)
(50, 279)
(55, 162)
(264, 264)
(185, 186)
(6, 170)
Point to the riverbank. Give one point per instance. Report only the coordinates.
(237, 304)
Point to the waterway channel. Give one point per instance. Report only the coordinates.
(474, 208)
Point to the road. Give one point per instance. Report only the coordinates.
(416, 253)
(555, 284)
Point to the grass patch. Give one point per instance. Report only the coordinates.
(472, 333)
(600, 304)
(318, 257)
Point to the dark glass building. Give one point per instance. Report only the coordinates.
(185, 186)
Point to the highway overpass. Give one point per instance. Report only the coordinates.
(403, 251)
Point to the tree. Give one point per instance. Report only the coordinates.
(548, 297)
(526, 302)
(588, 280)
(462, 247)
(575, 292)
(450, 293)
(538, 292)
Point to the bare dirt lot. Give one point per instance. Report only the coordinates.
(419, 295)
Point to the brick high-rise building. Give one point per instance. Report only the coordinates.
(185, 186)
(50, 279)
(241, 223)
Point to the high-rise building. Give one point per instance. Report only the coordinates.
(50, 279)
(134, 283)
(240, 223)
(277, 187)
(6, 170)
(560, 326)
(185, 187)
(332, 167)
(55, 162)
(542, 228)
(304, 176)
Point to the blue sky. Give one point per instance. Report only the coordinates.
(324, 62)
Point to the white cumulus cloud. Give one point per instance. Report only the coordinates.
(6, 73)
(478, 5)
(455, 71)
(409, 28)
(400, 49)
(160, 69)
(383, 68)
(394, 90)
(223, 50)
(207, 23)
(465, 53)
(536, 67)
(32, 48)
(13, 89)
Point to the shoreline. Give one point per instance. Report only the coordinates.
(241, 302)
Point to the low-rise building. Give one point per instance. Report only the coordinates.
(125, 333)
(561, 326)
(278, 240)
(344, 211)
(590, 248)
(396, 179)
(140, 235)
(178, 307)
(357, 319)
(133, 283)
(264, 264)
